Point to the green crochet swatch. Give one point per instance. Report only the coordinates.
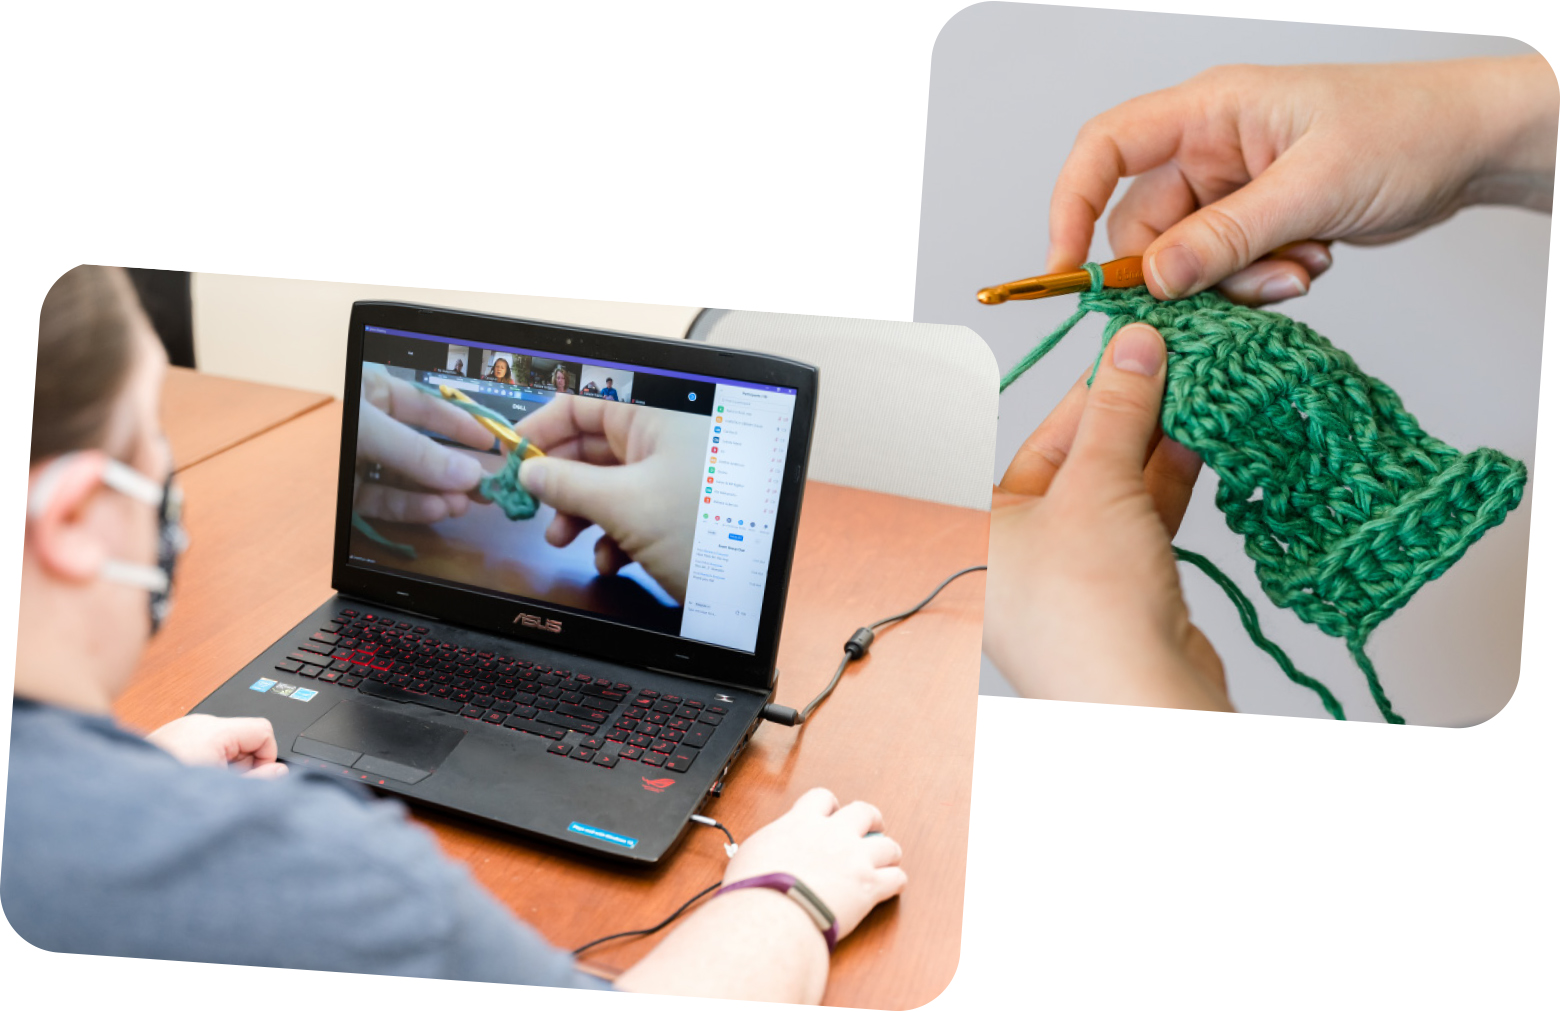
(1346, 505)
(503, 487)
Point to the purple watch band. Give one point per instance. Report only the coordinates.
(804, 897)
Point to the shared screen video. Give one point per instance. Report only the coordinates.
(640, 495)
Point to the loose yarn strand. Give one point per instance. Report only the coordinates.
(1358, 651)
(367, 530)
(1248, 614)
(1050, 341)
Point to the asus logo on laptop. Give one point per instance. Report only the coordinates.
(531, 621)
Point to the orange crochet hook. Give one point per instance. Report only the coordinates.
(507, 435)
(1127, 272)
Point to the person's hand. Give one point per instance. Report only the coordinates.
(635, 471)
(427, 481)
(757, 945)
(245, 744)
(1240, 161)
(826, 846)
(1083, 599)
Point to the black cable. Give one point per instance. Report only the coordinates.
(857, 646)
(703, 820)
(651, 931)
(807, 711)
(928, 599)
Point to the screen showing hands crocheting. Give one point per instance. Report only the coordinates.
(639, 495)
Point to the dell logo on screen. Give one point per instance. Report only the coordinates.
(530, 621)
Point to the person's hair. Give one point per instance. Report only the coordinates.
(609, 379)
(498, 362)
(85, 353)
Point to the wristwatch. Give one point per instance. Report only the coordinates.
(804, 897)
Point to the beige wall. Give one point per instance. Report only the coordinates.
(294, 333)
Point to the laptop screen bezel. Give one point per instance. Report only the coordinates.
(551, 626)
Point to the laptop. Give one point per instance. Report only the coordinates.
(538, 673)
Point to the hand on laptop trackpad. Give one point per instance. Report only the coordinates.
(378, 741)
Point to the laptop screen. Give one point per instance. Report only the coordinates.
(655, 491)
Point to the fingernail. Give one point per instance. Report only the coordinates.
(1137, 349)
(1281, 287)
(1175, 269)
(1315, 258)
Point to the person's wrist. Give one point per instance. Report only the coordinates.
(1514, 110)
(771, 907)
(1115, 667)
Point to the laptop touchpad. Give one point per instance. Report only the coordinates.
(378, 741)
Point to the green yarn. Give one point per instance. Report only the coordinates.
(368, 531)
(1248, 614)
(1346, 505)
(503, 487)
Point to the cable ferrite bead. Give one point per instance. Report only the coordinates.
(860, 640)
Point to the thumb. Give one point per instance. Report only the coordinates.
(1285, 203)
(597, 493)
(1122, 409)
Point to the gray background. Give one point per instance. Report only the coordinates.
(1451, 318)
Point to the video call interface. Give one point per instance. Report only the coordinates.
(664, 496)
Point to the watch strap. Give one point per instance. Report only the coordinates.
(804, 897)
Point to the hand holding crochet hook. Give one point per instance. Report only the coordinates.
(1232, 164)
(428, 481)
(1241, 161)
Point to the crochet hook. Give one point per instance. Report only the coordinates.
(1127, 272)
(507, 435)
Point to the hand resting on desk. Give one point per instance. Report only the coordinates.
(760, 944)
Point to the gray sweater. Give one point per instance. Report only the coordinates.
(113, 847)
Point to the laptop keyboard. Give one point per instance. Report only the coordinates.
(592, 720)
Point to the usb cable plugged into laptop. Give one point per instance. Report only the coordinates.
(705, 820)
(856, 648)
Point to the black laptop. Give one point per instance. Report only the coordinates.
(535, 672)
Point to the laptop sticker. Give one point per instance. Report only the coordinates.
(283, 689)
(264, 685)
(304, 694)
(627, 842)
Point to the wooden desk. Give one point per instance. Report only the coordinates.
(204, 415)
(899, 731)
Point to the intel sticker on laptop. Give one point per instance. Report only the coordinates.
(626, 842)
(304, 695)
(264, 685)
